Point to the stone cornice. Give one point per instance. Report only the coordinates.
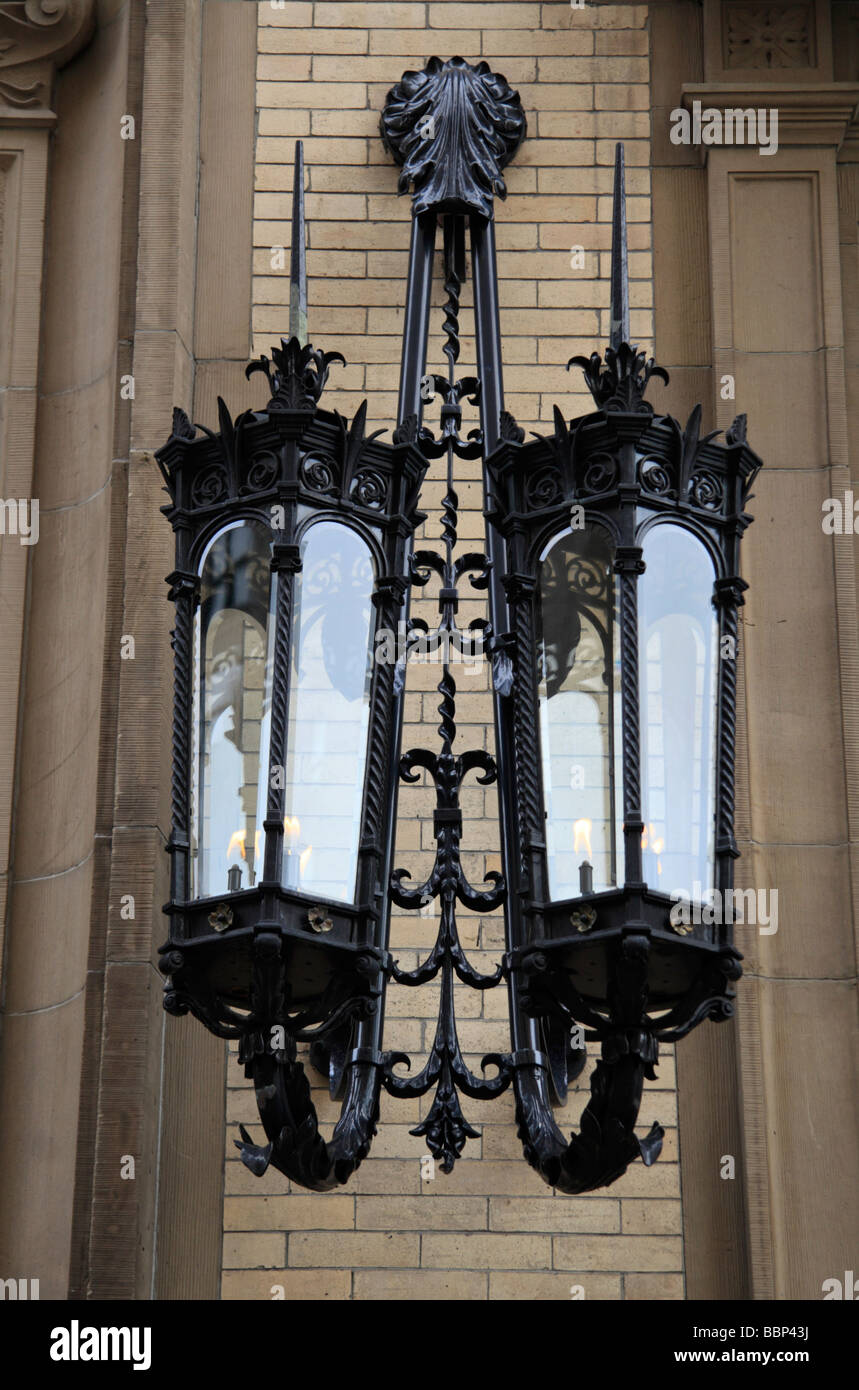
(36, 38)
(824, 114)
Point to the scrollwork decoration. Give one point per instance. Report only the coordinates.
(210, 487)
(543, 488)
(655, 477)
(707, 490)
(600, 474)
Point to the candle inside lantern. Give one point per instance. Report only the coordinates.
(657, 845)
(582, 841)
(238, 845)
(291, 832)
(295, 855)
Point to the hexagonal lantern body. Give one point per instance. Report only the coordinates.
(292, 533)
(621, 535)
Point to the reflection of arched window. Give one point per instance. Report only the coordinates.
(679, 638)
(232, 724)
(580, 710)
(328, 712)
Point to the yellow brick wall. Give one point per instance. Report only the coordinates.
(491, 1229)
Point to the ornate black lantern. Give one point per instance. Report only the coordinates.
(612, 576)
(621, 534)
(292, 535)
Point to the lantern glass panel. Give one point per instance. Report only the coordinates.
(580, 711)
(678, 633)
(233, 636)
(329, 707)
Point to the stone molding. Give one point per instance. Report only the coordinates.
(824, 115)
(36, 38)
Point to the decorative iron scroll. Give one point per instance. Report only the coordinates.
(607, 1143)
(574, 588)
(445, 1127)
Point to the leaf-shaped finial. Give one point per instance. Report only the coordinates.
(453, 128)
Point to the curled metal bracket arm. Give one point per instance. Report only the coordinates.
(607, 1143)
(295, 1147)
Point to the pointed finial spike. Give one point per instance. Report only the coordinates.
(298, 255)
(619, 257)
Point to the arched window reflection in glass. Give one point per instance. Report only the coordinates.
(329, 705)
(233, 637)
(580, 710)
(678, 633)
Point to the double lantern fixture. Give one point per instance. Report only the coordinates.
(612, 577)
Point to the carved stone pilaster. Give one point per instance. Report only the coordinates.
(36, 38)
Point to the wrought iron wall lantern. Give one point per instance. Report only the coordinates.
(611, 569)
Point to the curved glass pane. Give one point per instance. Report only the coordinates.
(234, 630)
(678, 633)
(579, 693)
(329, 706)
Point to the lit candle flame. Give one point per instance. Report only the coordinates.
(303, 860)
(582, 836)
(657, 845)
(291, 829)
(238, 841)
